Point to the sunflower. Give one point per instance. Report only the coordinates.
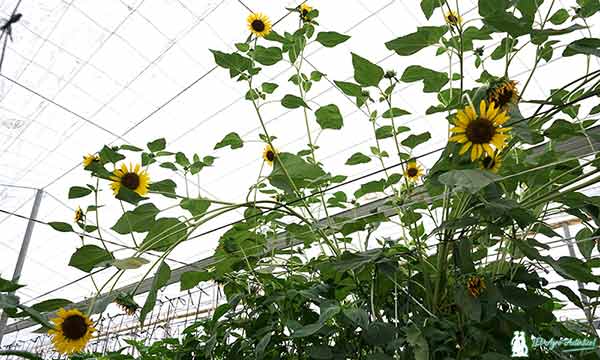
(133, 178)
(491, 163)
(72, 331)
(259, 24)
(480, 131)
(126, 303)
(413, 171)
(78, 214)
(504, 94)
(304, 11)
(452, 18)
(89, 159)
(475, 286)
(269, 155)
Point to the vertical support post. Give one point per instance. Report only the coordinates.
(569, 240)
(23, 251)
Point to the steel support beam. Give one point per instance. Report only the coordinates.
(23, 252)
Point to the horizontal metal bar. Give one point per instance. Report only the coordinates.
(576, 147)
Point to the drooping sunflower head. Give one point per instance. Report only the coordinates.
(504, 94)
(480, 132)
(72, 331)
(453, 18)
(269, 154)
(491, 163)
(305, 9)
(126, 303)
(259, 24)
(413, 171)
(78, 215)
(475, 286)
(89, 159)
(133, 178)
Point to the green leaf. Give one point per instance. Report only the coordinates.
(307, 330)
(110, 155)
(433, 81)
(301, 172)
(268, 87)
(262, 345)
(51, 305)
(585, 242)
(573, 269)
(588, 8)
(348, 88)
(293, 102)
(267, 56)
(365, 72)
(384, 132)
(487, 8)
(130, 263)
(570, 295)
(586, 46)
(157, 145)
(162, 276)
(394, 112)
(236, 63)
(78, 191)
(8, 286)
(559, 17)
(358, 158)
(507, 22)
(88, 257)
(61, 226)
(428, 6)
(196, 207)
(192, 278)
(331, 38)
(329, 117)
(413, 43)
(139, 219)
(358, 316)
(523, 298)
(412, 141)
(130, 148)
(470, 180)
(232, 139)
(130, 196)
(164, 187)
(164, 233)
(374, 186)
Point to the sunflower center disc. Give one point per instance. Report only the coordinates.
(480, 131)
(258, 25)
(130, 181)
(74, 327)
(304, 13)
(505, 98)
(412, 172)
(452, 19)
(270, 155)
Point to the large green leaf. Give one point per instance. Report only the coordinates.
(232, 139)
(162, 276)
(164, 187)
(157, 145)
(88, 257)
(331, 38)
(196, 207)
(412, 141)
(107, 154)
(139, 219)
(61, 226)
(433, 81)
(164, 233)
(301, 172)
(235, 62)
(130, 263)
(329, 117)
(428, 6)
(358, 158)
(8, 301)
(293, 102)
(22, 354)
(507, 22)
(585, 242)
(470, 180)
(412, 43)
(586, 46)
(267, 56)
(192, 278)
(78, 191)
(365, 72)
(9, 286)
(521, 297)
